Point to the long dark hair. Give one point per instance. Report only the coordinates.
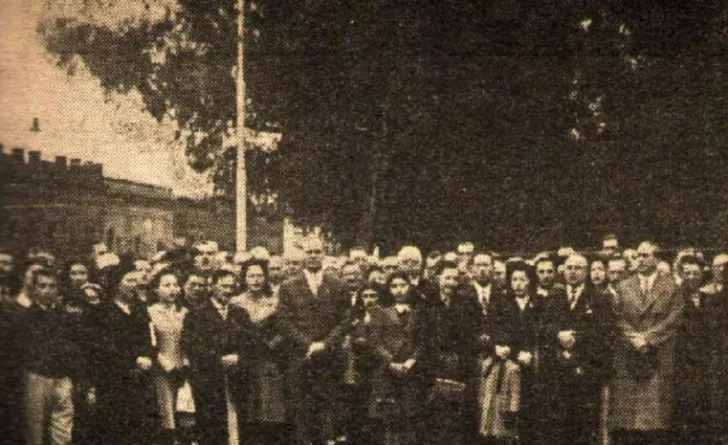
(589, 282)
(263, 264)
(390, 300)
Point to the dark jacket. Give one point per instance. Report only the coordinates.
(396, 338)
(125, 398)
(592, 320)
(206, 338)
(51, 344)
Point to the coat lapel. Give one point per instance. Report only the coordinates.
(658, 295)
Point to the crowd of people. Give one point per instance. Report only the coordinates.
(198, 346)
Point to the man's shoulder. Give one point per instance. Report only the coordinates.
(293, 281)
(631, 282)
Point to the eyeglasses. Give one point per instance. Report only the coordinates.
(314, 252)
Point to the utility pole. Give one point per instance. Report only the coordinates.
(241, 189)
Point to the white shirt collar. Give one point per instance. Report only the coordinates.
(523, 302)
(401, 308)
(570, 290)
(123, 306)
(483, 292)
(650, 280)
(314, 279)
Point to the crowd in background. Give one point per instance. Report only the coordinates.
(199, 346)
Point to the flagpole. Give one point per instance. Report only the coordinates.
(241, 200)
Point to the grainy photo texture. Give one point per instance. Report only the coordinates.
(346, 222)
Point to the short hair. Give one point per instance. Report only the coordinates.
(577, 256)
(43, 272)
(409, 252)
(193, 273)
(371, 269)
(609, 237)
(444, 264)
(654, 245)
(545, 259)
(691, 259)
(434, 255)
(157, 278)
(481, 253)
(396, 275)
(219, 274)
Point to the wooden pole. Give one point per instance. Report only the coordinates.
(241, 193)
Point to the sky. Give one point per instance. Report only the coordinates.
(75, 119)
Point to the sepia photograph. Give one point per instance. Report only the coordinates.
(348, 222)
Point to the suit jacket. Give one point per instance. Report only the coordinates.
(699, 353)
(590, 359)
(119, 339)
(450, 350)
(306, 318)
(484, 318)
(206, 338)
(125, 396)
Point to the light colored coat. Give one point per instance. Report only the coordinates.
(645, 403)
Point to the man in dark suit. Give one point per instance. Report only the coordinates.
(449, 359)
(649, 310)
(697, 348)
(577, 358)
(410, 262)
(312, 310)
(122, 361)
(485, 299)
(212, 339)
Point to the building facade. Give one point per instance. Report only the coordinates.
(67, 205)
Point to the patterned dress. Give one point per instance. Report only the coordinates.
(166, 329)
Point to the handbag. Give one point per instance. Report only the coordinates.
(185, 402)
(447, 391)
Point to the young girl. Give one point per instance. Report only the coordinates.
(166, 321)
(395, 398)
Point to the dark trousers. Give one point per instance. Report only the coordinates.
(444, 423)
(266, 433)
(631, 437)
(314, 412)
(353, 407)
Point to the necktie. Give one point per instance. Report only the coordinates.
(572, 297)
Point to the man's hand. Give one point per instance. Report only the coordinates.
(525, 358)
(502, 352)
(567, 339)
(91, 396)
(166, 364)
(409, 364)
(639, 341)
(144, 363)
(230, 360)
(315, 348)
(397, 368)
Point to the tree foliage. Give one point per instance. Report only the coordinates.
(514, 124)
